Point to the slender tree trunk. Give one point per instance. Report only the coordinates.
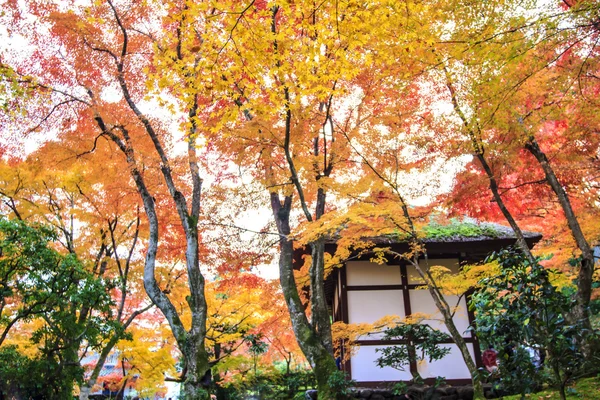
(458, 339)
(578, 314)
(479, 150)
(500, 202)
(87, 385)
(559, 379)
(319, 311)
(219, 390)
(412, 359)
(434, 291)
(191, 343)
(319, 357)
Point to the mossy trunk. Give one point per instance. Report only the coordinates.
(198, 374)
(309, 339)
(324, 367)
(319, 312)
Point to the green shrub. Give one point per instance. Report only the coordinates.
(520, 309)
(421, 342)
(339, 383)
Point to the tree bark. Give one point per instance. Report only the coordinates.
(446, 312)
(310, 341)
(580, 313)
(318, 303)
(479, 151)
(500, 202)
(191, 343)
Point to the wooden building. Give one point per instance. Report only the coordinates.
(363, 291)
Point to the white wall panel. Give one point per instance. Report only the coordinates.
(364, 368)
(360, 273)
(421, 302)
(335, 303)
(370, 305)
(450, 367)
(414, 278)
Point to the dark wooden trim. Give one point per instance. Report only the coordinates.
(428, 381)
(347, 364)
(344, 303)
(375, 287)
(414, 368)
(402, 286)
(476, 248)
(442, 256)
(381, 342)
(405, 290)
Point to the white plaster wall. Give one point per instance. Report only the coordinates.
(368, 273)
(364, 368)
(421, 302)
(335, 304)
(450, 367)
(370, 305)
(413, 275)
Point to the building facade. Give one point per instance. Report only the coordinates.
(362, 291)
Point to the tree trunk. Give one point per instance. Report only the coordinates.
(578, 314)
(198, 376)
(478, 150)
(498, 199)
(319, 312)
(458, 339)
(88, 384)
(412, 359)
(319, 357)
(190, 343)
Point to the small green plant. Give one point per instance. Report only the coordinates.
(439, 381)
(399, 388)
(421, 342)
(340, 384)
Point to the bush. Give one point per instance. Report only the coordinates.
(339, 384)
(422, 342)
(273, 384)
(518, 311)
(30, 378)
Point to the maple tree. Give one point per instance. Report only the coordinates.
(329, 109)
(281, 124)
(284, 113)
(81, 101)
(98, 222)
(39, 283)
(528, 123)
